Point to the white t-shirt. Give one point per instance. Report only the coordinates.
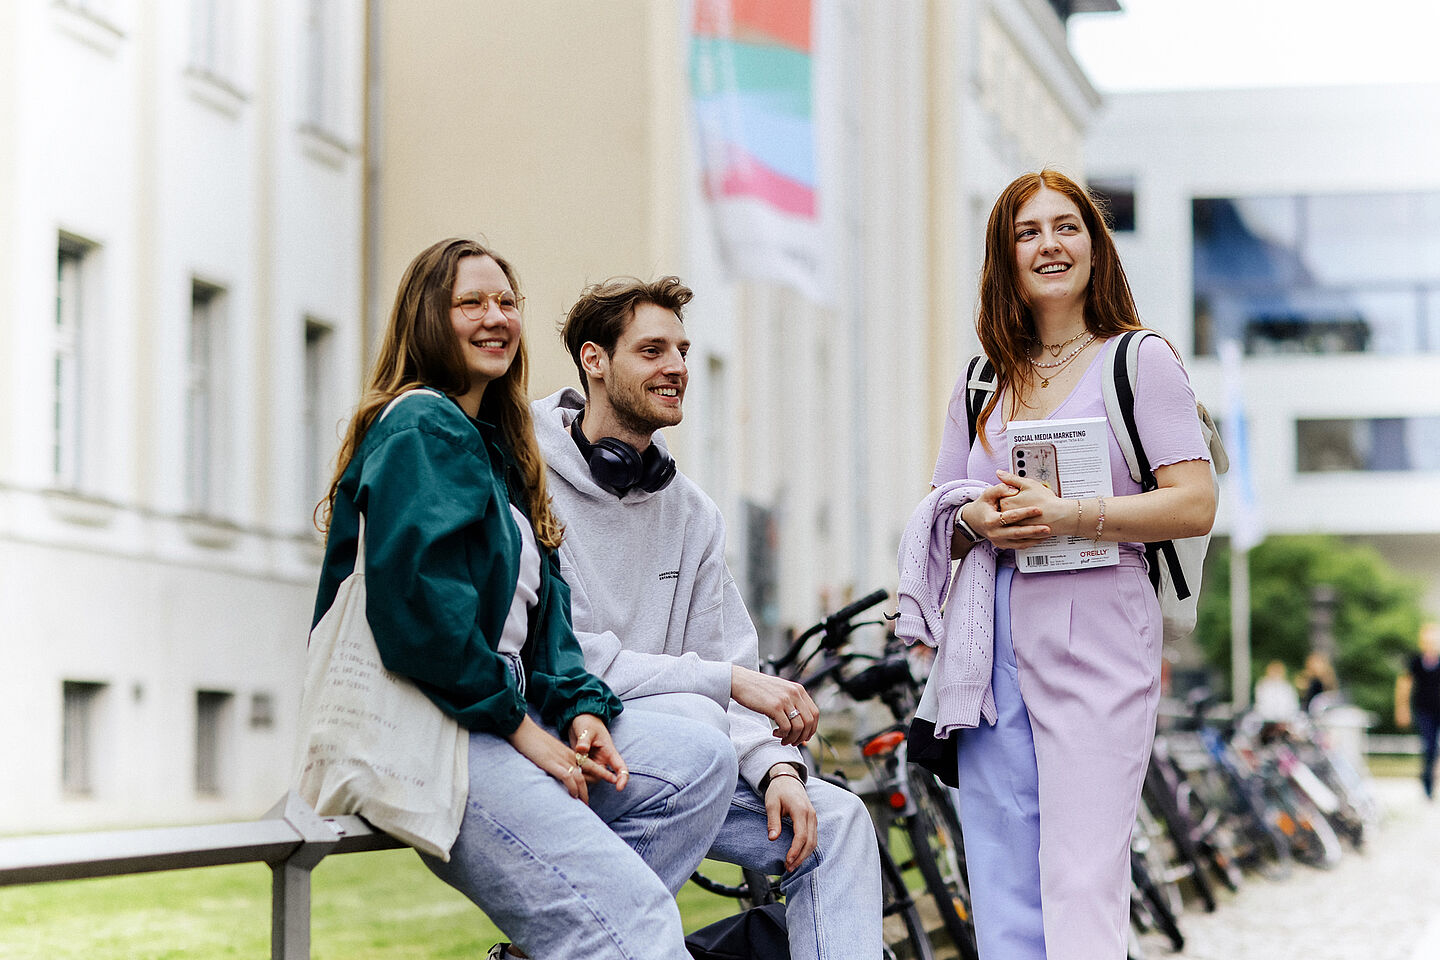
(527, 588)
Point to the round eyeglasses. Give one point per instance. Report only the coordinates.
(474, 304)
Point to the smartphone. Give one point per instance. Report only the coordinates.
(1037, 461)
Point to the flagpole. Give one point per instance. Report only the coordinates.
(1247, 528)
(1239, 624)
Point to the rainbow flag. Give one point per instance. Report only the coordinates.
(751, 83)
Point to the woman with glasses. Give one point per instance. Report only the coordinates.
(1050, 769)
(465, 598)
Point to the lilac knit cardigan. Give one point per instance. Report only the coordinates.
(964, 629)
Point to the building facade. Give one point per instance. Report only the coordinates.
(204, 211)
(567, 136)
(1295, 224)
(180, 247)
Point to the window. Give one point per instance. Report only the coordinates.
(322, 64)
(1342, 273)
(212, 716)
(204, 435)
(212, 33)
(262, 711)
(319, 438)
(1117, 198)
(73, 314)
(1389, 443)
(78, 750)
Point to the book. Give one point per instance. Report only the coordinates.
(1072, 458)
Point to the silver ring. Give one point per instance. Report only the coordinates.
(793, 714)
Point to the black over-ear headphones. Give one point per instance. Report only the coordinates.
(619, 468)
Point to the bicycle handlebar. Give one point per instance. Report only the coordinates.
(834, 627)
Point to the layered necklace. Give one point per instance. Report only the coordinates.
(1055, 348)
(1060, 365)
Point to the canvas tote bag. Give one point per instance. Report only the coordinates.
(371, 742)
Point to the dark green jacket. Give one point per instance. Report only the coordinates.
(442, 556)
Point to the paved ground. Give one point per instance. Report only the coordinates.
(1383, 904)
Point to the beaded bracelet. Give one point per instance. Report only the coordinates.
(1079, 516)
(1100, 524)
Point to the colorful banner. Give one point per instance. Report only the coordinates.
(751, 84)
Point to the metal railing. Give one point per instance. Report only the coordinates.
(291, 838)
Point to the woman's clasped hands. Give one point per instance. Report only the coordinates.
(1017, 512)
(590, 757)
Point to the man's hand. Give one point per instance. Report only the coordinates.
(785, 796)
(785, 702)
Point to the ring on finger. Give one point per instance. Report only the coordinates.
(793, 714)
(570, 770)
(580, 759)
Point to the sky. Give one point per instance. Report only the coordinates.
(1188, 44)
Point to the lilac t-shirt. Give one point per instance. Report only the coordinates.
(1164, 415)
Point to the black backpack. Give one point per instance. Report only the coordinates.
(754, 934)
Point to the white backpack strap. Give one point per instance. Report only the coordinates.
(980, 378)
(360, 537)
(401, 396)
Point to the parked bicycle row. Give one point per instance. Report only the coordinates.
(1227, 794)
(1223, 796)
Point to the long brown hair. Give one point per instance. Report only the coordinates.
(1004, 323)
(420, 349)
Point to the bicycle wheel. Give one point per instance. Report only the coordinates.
(1312, 839)
(905, 935)
(1155, 902)
(1154, 844)
(935, 839)
(1157, 795)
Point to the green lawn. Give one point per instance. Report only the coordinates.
(364, 907)
(1393, 765)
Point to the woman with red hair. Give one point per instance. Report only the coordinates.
(1050, 781)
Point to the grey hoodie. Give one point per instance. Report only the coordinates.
(654, 604)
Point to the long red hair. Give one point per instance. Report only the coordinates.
(1004, 323)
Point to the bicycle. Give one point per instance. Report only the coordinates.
(904, 932)
(905, 801)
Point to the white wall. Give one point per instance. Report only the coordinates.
(113, 136)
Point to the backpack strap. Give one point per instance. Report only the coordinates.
(1118, 386)
(980, 379)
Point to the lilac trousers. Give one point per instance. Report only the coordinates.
(1048, 796)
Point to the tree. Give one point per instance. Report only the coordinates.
(1377, 613)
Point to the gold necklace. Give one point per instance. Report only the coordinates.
(1059, 365)
(1055, 348)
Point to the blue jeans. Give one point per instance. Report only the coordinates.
(1427, 724)
(563, 879)
(832, 899)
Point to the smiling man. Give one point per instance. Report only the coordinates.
(661, 620)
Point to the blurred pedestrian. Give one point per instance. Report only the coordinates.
(1417, 700)
(1318, 677)
(1276, 700)
(1054, 733)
